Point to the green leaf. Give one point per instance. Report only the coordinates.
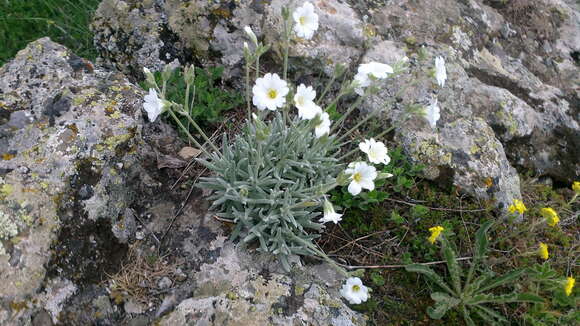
(481, 244)
(440, 296)
(441, 307)
(466, 316)
(506, 298)
(481, 241)
(489, 315)
(377, 279)
(452, 264)
(504, 279)
(431, 275)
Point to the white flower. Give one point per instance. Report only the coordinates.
(323, 127)
(304, 102)
(153, 105)
(269, 92)
(305, 21)
(376, 151)
(329, 214)
(369, 71)
(432, 114)
(251, 35)
(354, 291)
(362, 176)
(440, 71)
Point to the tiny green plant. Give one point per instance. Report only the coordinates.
(560, 310)
(207, 96)
(466, 292)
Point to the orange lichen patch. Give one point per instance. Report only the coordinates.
(73, 128)
(8, 156)
(222, 12)
(488, 182)
(18, 305)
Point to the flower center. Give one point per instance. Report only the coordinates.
(355, 288)
(300, 101)
(302, 20)
(272, 93)
(357, 177)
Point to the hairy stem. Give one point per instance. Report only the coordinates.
(193, 140)
(248, 107)
(321, 254)
(203, 135)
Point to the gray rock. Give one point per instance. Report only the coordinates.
(135, 34)
(526, 118)
(164, 283)
(70, 125)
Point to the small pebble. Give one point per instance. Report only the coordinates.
(164, 283)
(139, 235)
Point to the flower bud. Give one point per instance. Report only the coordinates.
(189, 74)
(251, 35)
(169, 69)
(149, 77)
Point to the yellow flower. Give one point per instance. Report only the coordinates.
(576, 187)
(518, 206)
(550, 215)
(435, 233)
(543, 251)
(569, 285)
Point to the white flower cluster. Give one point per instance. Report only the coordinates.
(271, 93)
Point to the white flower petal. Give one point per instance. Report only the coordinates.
(440, 71)
(305, 21)
(269, 92)
(354, 188)
(153, 105)
(323, 127)
(433, 113)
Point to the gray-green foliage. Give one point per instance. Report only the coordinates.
(270, 182)
(471, 296)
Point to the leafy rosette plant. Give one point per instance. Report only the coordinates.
(465, 292)
(270, 182)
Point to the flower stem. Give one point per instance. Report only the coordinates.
(248, 89)
(286, 48)
(327, 88)
(347, 113)
(203, 135)
(193, 140)
(187, 102)
(258, 66)
(321, 254)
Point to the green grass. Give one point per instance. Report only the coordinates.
(64, 21)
